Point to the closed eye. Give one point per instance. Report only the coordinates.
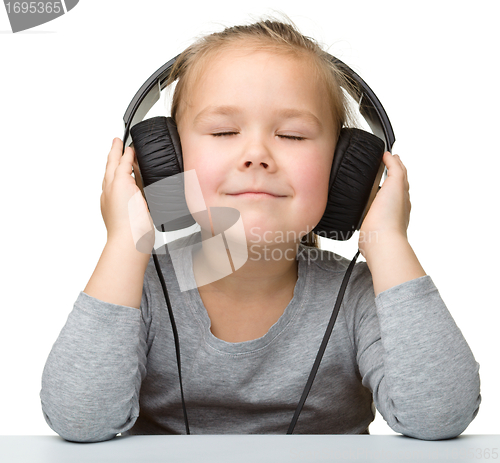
(288, 137)
(291, 137)
(220, 134)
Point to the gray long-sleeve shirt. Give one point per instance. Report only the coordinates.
(113, 368)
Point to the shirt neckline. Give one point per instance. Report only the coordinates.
(300, 295)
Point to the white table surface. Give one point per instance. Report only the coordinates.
(250, 449)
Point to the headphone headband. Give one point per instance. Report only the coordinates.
(369, 105)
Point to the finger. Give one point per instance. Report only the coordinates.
(126, 163)
(114, 157)
(391, 162)
(135, 165)
(398, 158)
(395, 167)
(405, 172)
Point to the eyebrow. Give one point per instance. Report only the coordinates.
(285, 113)
(210, 111)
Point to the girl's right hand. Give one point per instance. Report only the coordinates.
(123, 207)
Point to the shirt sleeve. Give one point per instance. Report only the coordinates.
(414, 359)
(92, 377)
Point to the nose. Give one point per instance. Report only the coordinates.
(257, 154)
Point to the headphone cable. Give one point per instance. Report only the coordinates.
(322, 348)
(176, 336)
(316, 364)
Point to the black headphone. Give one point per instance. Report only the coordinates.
(355, 176)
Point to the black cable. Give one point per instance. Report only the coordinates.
(322, 348)
(319, 356)
(170, 312)
(176, 337)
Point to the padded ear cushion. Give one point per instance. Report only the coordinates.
(355, 165)
(158, 151)
(176, 142)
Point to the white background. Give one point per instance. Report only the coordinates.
(65, 86)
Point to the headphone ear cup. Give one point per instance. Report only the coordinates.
(159, 156)
(354, 178)
(158, 149)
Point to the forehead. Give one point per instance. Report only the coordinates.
(239, 73)
(228, 62)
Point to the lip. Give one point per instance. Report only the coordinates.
(261, 194)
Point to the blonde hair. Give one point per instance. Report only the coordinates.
(264, 35)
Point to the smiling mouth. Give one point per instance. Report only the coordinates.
(253, 194)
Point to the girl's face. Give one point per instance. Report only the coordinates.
(260, 122)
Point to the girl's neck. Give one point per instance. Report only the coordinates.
(268, 271)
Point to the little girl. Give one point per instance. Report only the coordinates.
(258, 110)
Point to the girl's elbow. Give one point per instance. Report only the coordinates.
(81, 432)
(82, 426)
(86, 436)
(436, 432)
(444, 424)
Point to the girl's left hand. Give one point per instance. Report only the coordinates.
(389, 213)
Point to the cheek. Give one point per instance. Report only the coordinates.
(201, 187)
(312, 188)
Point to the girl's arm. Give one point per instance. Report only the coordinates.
(413, 357)
(411, 354)
(93, 374)
(92, 377)
(383, 239)
(119, 273)
(391, 261)
(91, 380)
